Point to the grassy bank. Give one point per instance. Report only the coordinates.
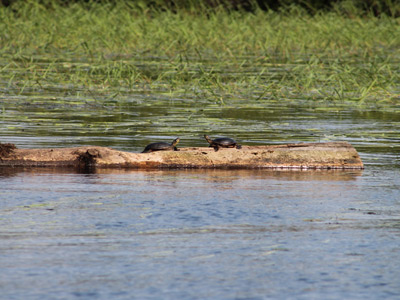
(118, 49)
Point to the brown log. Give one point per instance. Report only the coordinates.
(332, 155)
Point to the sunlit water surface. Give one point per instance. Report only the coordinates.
(192, 234)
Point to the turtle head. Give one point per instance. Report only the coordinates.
(175, 142)
(207, 138)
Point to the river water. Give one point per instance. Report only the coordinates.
(199, 234)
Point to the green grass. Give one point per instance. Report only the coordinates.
(119, 49)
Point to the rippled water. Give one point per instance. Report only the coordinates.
(192, 234)
(211, 234)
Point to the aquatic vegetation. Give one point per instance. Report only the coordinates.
(116, 50)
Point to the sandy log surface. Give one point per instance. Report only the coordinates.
(332, 155)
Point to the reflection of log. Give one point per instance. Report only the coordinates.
(334, 155)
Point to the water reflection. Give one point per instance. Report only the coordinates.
(216, 175)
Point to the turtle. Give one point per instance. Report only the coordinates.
(161, 146)
(223, 142)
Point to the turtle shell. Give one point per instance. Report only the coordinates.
(158, 146)
(225, 142)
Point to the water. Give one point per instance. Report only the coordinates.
(212, 234)
(198, 234)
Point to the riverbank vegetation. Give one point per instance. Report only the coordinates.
(116, 49)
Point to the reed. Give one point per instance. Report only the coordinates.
(114, 49)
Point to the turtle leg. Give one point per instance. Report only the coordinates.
(216, 148)
(238, 146)
(176, 149)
